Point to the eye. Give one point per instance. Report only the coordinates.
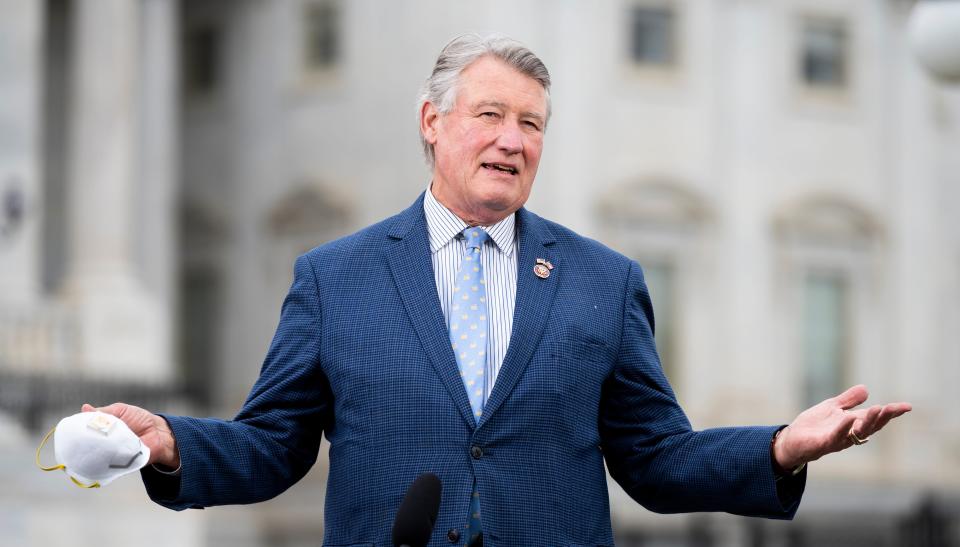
(491, 115)
(532, 125)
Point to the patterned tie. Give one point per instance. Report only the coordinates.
(468, 336)
(468, 320)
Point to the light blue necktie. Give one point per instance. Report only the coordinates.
(468, 336)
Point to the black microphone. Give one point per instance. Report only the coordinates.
(418, 512)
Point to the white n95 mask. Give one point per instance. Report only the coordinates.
(94, 448)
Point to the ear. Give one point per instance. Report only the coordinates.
(429, 119)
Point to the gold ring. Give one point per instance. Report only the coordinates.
(856, 440)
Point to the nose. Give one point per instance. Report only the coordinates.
(510, 138)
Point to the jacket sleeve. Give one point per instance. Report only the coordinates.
(274, 440)
(655, 455)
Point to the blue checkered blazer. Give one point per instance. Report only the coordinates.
(362, 355)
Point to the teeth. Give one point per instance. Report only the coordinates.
(499, 167)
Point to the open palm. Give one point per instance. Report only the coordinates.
(832, 426)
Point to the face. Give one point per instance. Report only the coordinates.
(487, 148)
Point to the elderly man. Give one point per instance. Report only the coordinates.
(468, 337)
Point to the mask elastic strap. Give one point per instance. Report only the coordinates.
(81, 485)
(39, 448)
(59, 466)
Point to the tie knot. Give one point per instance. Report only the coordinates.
(476, 236)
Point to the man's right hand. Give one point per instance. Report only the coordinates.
(153, 431)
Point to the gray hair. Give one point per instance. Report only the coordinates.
(440, 89)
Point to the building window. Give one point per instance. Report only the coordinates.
(321, 36)
(659, 277)
(201, 309)
(666, 226)
(56, 128)
(825, 336)
(652, 39)
(201, 60)
(824, 55)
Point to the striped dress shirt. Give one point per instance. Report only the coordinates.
(499, 261)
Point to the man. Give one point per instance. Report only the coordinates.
(509, 360)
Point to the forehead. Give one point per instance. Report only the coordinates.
(489, 79)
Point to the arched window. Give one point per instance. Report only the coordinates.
(204, 234)
(664, 225)
(828, 249)
(309, 214)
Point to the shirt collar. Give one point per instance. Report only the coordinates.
(443, 226)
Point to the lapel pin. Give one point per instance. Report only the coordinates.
(542, 269)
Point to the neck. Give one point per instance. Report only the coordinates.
(483, 217)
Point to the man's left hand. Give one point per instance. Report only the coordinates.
(832, 426)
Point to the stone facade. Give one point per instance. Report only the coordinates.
(165, 162)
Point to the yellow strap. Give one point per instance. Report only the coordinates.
(81, 485)
(39, 448)
(59, 466)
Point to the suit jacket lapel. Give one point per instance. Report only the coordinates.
(534, 301)
(412, 268)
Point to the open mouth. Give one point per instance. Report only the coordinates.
(500, 167)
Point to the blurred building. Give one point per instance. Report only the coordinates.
(785, 173)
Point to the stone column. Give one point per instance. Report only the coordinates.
(123, 326)
(156, 250)
(21, 69)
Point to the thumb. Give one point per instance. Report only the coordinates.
(87, 407)
(852, 397)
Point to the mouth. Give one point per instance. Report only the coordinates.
(500, 167)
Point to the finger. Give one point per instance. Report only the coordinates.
(867, 425)
(899, 408)
(840, 437)
(893, 410)
(852, 397)
(87, 407)
(115, 409)
(890, 412)
(885, 416)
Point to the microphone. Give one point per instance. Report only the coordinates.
(417, 514)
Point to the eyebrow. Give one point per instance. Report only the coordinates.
(497, 104)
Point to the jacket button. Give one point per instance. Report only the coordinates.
(476, 452)
(453, 535)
